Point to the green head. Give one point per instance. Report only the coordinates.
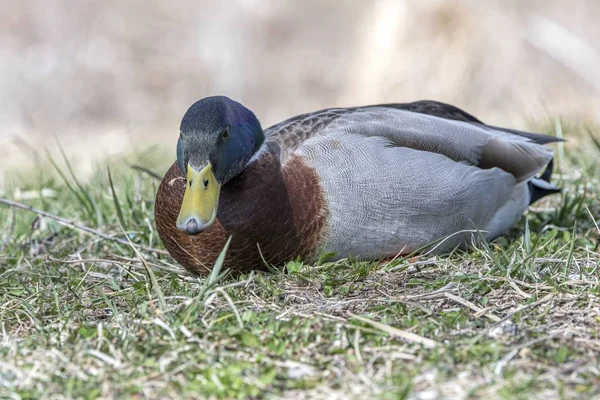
(218, 137)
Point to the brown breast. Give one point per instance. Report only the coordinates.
(282, 211)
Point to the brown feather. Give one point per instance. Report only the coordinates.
(281, 210)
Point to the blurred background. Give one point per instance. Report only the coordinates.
(105, 77)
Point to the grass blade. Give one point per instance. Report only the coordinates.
(90, 200)
(215, 273)
(80, 199)
(215, 276)
(527, 238)
(596, 141)
(116, 201)
(571, 249)
(153, 281)
(147, 171)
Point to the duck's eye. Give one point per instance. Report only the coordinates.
(226, 134)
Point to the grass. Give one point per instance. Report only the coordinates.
(82, 316)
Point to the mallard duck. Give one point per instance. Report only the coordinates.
(369, 182)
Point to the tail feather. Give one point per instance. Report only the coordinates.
(547, 174)
(541, 187)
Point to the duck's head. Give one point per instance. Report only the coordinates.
(218, 137)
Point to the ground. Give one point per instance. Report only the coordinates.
(88, 312)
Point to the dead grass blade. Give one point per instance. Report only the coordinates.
(536, 303)
(478, 310)
(390, 330)
(77, 226)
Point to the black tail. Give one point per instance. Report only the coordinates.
(541, 187)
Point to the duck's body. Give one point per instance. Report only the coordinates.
(367, 182)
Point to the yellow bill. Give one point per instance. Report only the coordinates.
(200, 201)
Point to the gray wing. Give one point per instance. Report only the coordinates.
(476, 144)
(425, 125)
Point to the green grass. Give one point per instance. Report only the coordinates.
(86, 317)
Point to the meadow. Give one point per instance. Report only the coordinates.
(92, 306)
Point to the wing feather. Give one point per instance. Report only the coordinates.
(460, 141)
(424, 125)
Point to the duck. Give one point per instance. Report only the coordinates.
(368, 182)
